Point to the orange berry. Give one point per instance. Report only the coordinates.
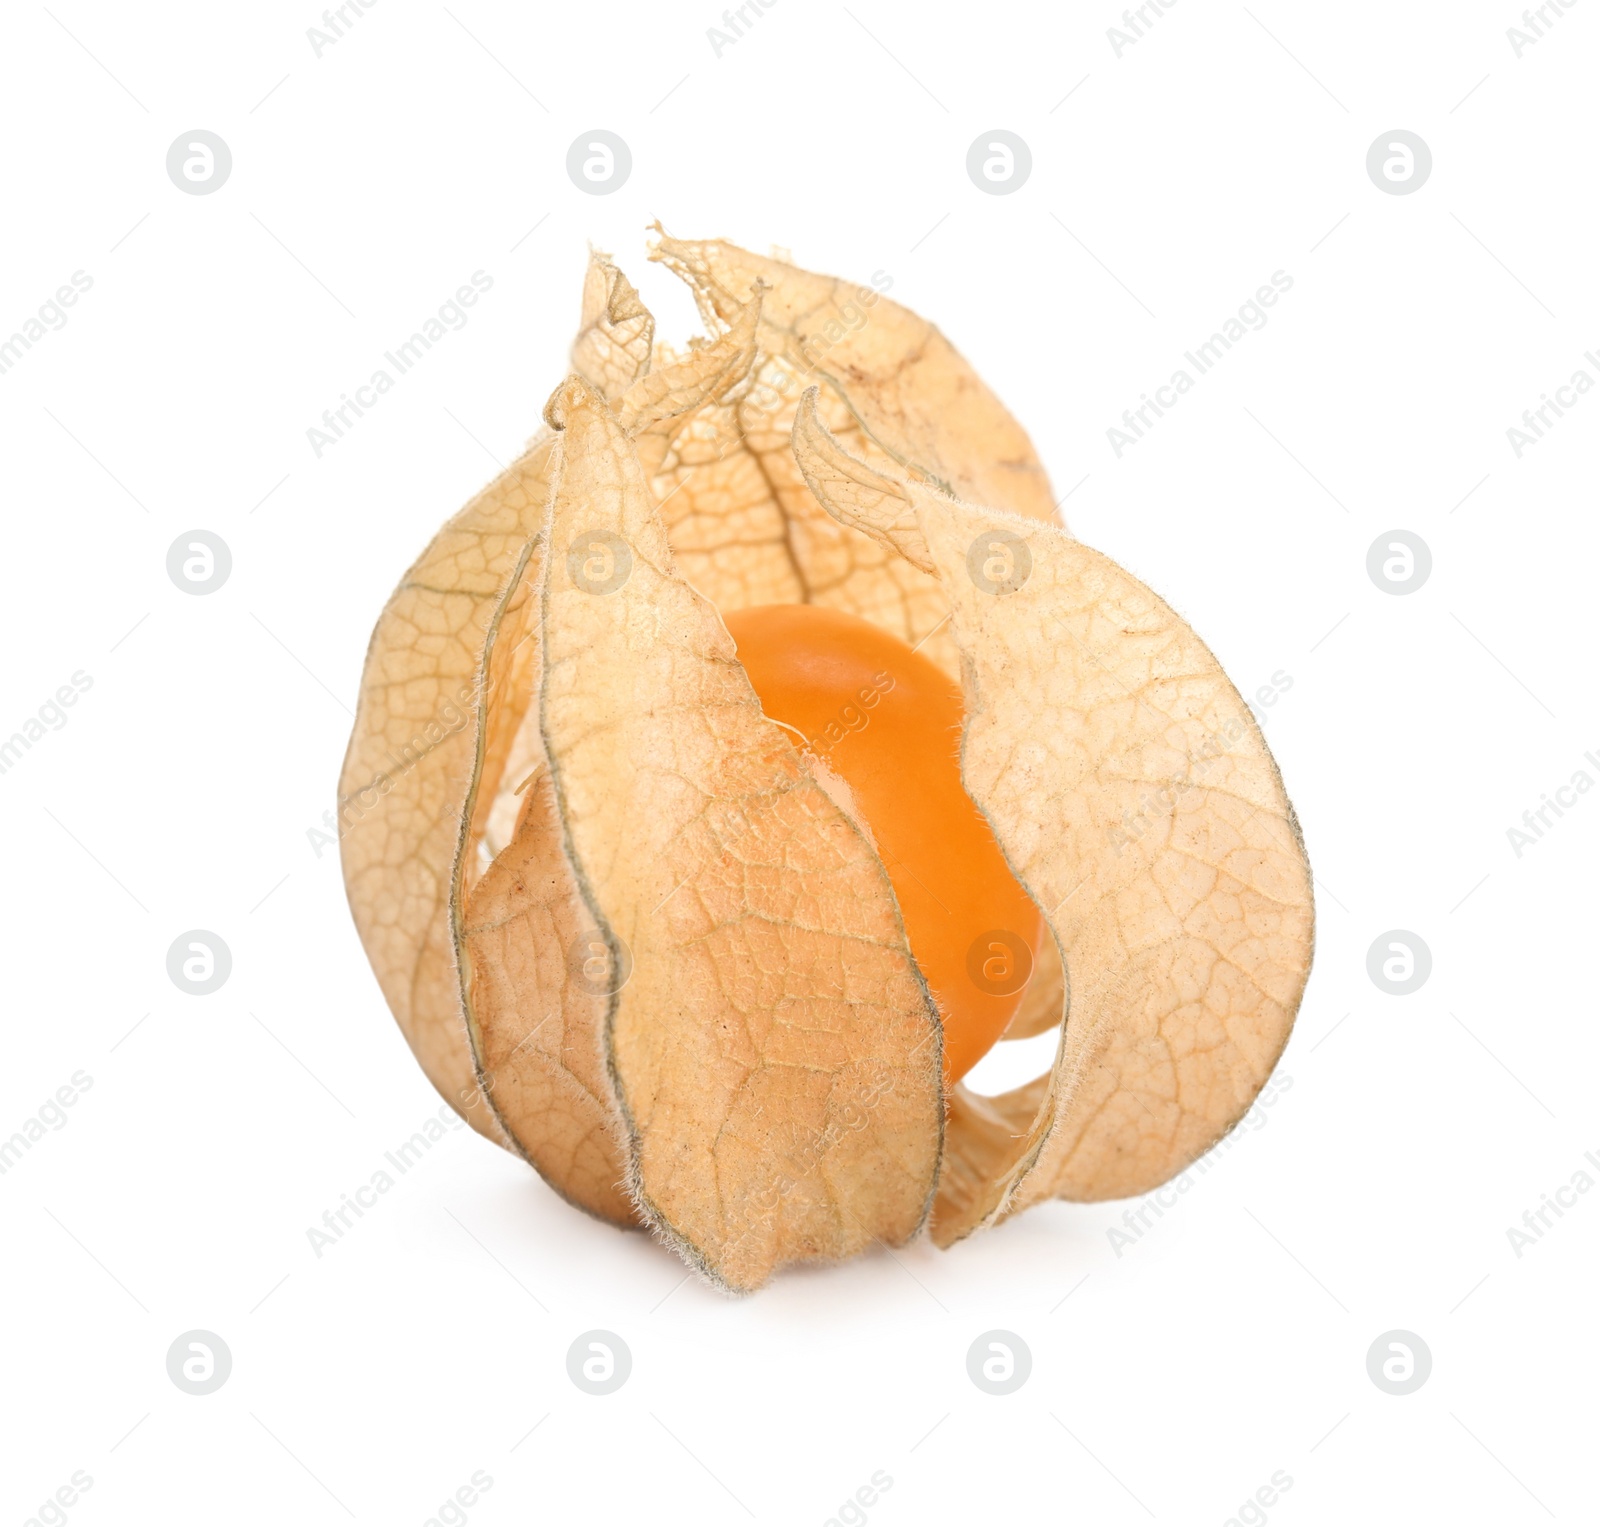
(887, 721)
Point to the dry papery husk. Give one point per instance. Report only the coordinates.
(622, 924)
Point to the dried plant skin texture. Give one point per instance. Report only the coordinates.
(1137, 802)
(772, 992)
(631, 927)
(412, 764)
(744, 526)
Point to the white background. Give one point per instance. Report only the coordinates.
(1168, 183)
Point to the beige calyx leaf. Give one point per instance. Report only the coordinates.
(615, 332)
(533, 1015)
(745, 528)
(922, 406)
(1045, 998)
(879, 505)
(707, 374)
(638, 938)
(533, 1023)
(415, 759)
(1136, 801)
(772, 1045)
(443, 734)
